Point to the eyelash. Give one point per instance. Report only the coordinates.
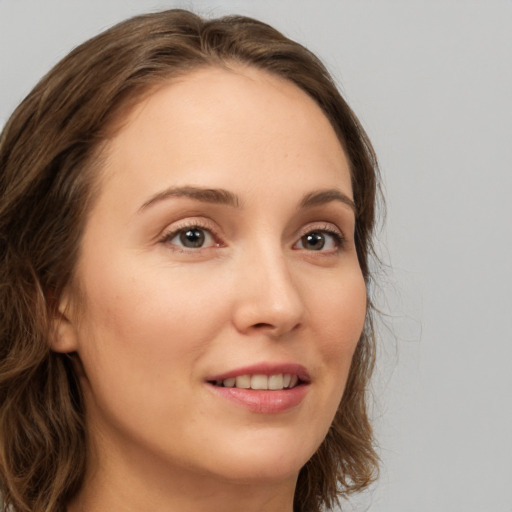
(170, 235)
(337, 236)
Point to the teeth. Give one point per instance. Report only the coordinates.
(244, 381)
(273, 382)
(229, 383)
(259, 382)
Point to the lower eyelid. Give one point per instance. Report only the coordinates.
(337, 235)
(337, 239)
(170, 234)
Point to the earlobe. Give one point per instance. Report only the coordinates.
(63, 338)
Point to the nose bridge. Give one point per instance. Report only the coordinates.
(269, 298)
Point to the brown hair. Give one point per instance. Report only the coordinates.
(48, 153)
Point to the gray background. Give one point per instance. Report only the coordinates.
(431, 82)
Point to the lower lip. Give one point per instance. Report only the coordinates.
(264, 401)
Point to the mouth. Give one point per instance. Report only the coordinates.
(265, 388)
(273, 382)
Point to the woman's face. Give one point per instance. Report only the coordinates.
(219, 253)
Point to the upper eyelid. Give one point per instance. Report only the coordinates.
(210, 226)
(335, 233)
(188, 223)
(167, 234)
(321, 226)
(329, 228)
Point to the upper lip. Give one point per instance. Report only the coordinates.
(264, 369)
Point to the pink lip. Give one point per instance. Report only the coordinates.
(263, 401)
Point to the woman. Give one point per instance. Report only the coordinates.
(186, 220)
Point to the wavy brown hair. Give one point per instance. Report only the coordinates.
(49, 152)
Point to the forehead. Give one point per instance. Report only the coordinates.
(226, 127)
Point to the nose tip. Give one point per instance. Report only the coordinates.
(269, 302)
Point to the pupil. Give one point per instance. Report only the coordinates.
(192, 238)
(314, 241)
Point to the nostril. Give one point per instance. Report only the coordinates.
(272, 330)
(263, 325)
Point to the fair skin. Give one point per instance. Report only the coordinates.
(184, 288)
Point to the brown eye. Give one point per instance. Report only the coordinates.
(320, 240)
(193, 237)
(313, 241)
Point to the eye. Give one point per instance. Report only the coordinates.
(320, 240)
(193, 237)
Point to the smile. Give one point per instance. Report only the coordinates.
(265, 388)
(274, 382)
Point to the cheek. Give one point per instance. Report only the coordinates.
(142, 343)
(340, 312)
(147, 324)
(339, 320)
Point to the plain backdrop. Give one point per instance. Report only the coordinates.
(431, 83)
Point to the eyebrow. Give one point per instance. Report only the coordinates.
(205, 195)
(224, 197)
(321, 197)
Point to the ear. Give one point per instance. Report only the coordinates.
(64, 337)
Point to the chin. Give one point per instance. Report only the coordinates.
(256, 472)
(263, 460)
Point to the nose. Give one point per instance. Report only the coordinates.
(268, 300)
